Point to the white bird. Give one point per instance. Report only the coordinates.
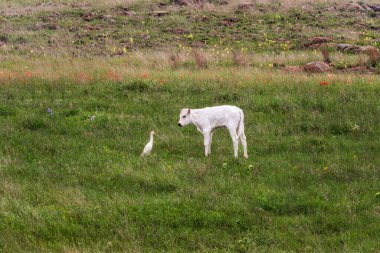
(149, 146)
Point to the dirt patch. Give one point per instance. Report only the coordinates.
(358, 7)
(159, 13)
(89, 16)
(244, 7)
(316, 41)
(29, 10)
(92, 28)
(358, 70)
(123, 11)
(291, 69)
(229, 21)
(178, 31)
(189, 2)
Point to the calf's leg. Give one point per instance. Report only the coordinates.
(206, 141)
(209, 144)
(235, 140)
(243, 140)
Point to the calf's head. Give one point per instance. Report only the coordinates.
(184, 118)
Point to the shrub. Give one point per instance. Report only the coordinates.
(325, 54)
(135, 85)
(34, 123)
(6, 111)
(239, 59)
(175, 60)
(373, 56)
(3, 38)
(199, 58)
(372, 14)
(21, 40)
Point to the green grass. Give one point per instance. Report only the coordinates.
(267, 27)
(70, 184)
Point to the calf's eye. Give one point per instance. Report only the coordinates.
(183, 116)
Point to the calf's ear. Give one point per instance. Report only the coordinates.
(188, 111)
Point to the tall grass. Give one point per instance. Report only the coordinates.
(239, 59)
(325, 54)
(53, 68)
(200, 58)
(176, 60)
(373, 56)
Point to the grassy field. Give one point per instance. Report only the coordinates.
(71, 184)
(83, 83)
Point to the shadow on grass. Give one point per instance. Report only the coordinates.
(129, 184)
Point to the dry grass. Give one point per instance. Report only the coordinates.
(200, 58)
(373, 56)
(95, 3)
(175, 60)
(239, 59)
(11, 188)
(232, 4)
(292, 3)
(82, 71)
(135, 64)
(325, 54)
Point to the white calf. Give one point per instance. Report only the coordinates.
(210, 118)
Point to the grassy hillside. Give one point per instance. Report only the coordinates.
(116, 28)
(71, 184)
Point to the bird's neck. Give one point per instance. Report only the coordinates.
(151, 137)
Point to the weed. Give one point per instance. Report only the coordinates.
(325, 53)
(239, 59)
(175, 60)
(136, 85)
(34, 123)
(200, 58)
(373, 56)
(6, 111)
